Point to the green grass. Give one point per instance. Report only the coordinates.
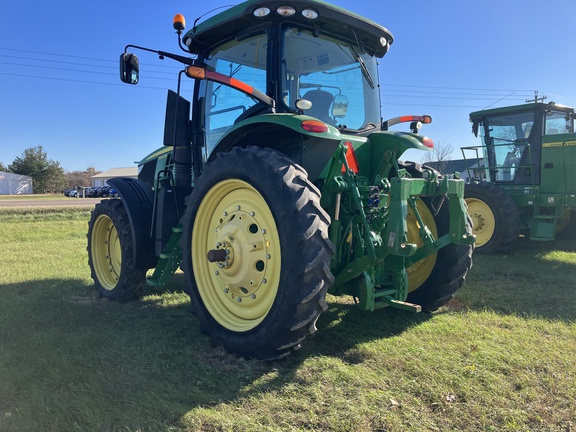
(500, 357)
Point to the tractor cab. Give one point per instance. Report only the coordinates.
(524, 182)
(516, 142)
(331, 78)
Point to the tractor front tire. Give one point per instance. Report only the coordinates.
(256, 253)
(110, 252)
(494, 216)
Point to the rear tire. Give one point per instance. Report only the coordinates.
(433, 281)
(494, 216)
(258, 212)
(110, 252)
(567, 226)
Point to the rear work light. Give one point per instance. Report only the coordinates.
(286, 10)
(310, 14)
(261, 12)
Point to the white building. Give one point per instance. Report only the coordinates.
(15, 184)
(101, 179)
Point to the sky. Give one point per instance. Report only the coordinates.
(60, 87)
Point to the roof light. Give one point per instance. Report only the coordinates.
(179, 22)
(261, 12)
(315, 126)
(310, 13)
(286, 10)
(383, 41)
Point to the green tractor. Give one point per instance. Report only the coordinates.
(279, 182)
(526, 182)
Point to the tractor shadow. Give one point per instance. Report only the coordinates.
(148, 352)
(343, 327)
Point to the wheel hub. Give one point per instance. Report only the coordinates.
(240, 255)
(478, 221)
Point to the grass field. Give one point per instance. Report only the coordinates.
(500, 357)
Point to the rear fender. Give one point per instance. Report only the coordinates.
(399, 142)
(284, 133)
(138, 198)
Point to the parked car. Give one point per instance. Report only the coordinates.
(91, 192)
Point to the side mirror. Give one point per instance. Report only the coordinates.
(129, 68)
(340, 106)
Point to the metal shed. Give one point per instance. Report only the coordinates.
(103, 177)
(15, 184)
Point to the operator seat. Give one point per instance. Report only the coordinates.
(321, 103)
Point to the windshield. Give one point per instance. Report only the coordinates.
(508, 141)
(558, 122)
(338, 78)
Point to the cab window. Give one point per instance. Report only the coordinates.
(245, 61)
(558, 123)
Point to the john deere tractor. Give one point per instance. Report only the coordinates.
(278, 182)
(525, 180)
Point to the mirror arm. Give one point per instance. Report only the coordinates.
(185, 60)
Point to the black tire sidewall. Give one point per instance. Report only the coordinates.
(269, 182)
(131, 280)
(505, 215)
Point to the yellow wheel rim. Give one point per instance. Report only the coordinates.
(106, 252)
(239, 290)
(483, 221)
(419, 272)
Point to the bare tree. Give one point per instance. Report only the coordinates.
(81, 178)
(440, 155)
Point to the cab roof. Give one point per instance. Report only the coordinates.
(476, 115)
(331, 19)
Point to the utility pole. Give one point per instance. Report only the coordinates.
(536, 98)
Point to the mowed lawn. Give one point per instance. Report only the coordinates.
(500, 357)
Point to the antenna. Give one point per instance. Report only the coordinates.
(537, 98)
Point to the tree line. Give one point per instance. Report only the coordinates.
(48, 176)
